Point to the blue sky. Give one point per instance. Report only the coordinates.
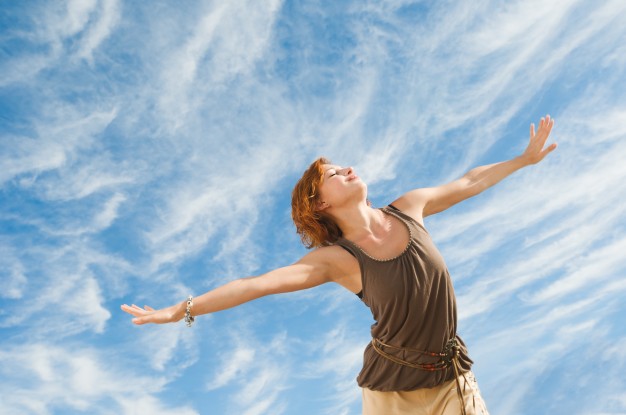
(148, 151)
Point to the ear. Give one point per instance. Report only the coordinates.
(321, 205)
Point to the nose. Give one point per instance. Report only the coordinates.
(346, 171)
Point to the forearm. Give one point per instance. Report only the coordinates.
(226, 296)
(483, 177)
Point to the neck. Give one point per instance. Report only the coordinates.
(358, 221)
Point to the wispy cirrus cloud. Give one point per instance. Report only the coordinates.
(48, 378)
(12, 272)
(74, 280)
(339, 358)
(99, 31)
(70, 30)
(226, 41)
(260, 373)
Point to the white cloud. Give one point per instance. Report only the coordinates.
(600, 265)
(238, 359)
(105, 218)
(82, 180)
(59, 27)
(140, 405)
(225, 42)
(43, 378)
(100, 30)
(339, 357)
(57, 141)
(29, 155)
(224, 202)
(77, 301)
(516, 23)
(259, 378)
(78, 14)
(167, 346)
(86, 304)
(75, 281)
(12, 278)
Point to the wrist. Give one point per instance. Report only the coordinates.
(178, 311)
(522, 161)
(189, 318)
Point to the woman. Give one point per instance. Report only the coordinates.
(415, 363)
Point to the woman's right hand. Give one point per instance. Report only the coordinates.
(150, 315)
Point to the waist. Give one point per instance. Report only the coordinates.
(446, 358)
(419, 359)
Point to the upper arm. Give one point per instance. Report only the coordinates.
(427, 201)
(310, 271)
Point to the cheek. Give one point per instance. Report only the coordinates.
(328, 191)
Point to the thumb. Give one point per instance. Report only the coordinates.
(548, 150)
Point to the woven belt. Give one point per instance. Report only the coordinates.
(448, 357)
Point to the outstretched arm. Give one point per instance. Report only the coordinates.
(313, 269)
(428, 201)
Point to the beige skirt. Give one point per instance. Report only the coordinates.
(440, 400)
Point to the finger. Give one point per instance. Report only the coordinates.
(532, 130)
(147, 307)
(134, 310)
(547, 151)
(546, 131)
(548, 120)
(127, 308)
(546, 125)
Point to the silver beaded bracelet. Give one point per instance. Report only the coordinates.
(189, 319)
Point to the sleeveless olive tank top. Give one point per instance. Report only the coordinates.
(414, 307)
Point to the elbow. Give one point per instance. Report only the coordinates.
(472, 186)
(477, 187)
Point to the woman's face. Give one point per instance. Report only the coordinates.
(340, 185)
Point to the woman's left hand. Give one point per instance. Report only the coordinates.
(535, 152)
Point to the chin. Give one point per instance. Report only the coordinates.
(361, 195)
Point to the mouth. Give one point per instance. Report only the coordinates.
(352, 177)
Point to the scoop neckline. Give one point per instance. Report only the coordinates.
(406, 248)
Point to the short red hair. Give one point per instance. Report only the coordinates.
(315, 228)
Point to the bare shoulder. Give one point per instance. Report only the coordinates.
(413, 203)
(334, 259)
(338, 265)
